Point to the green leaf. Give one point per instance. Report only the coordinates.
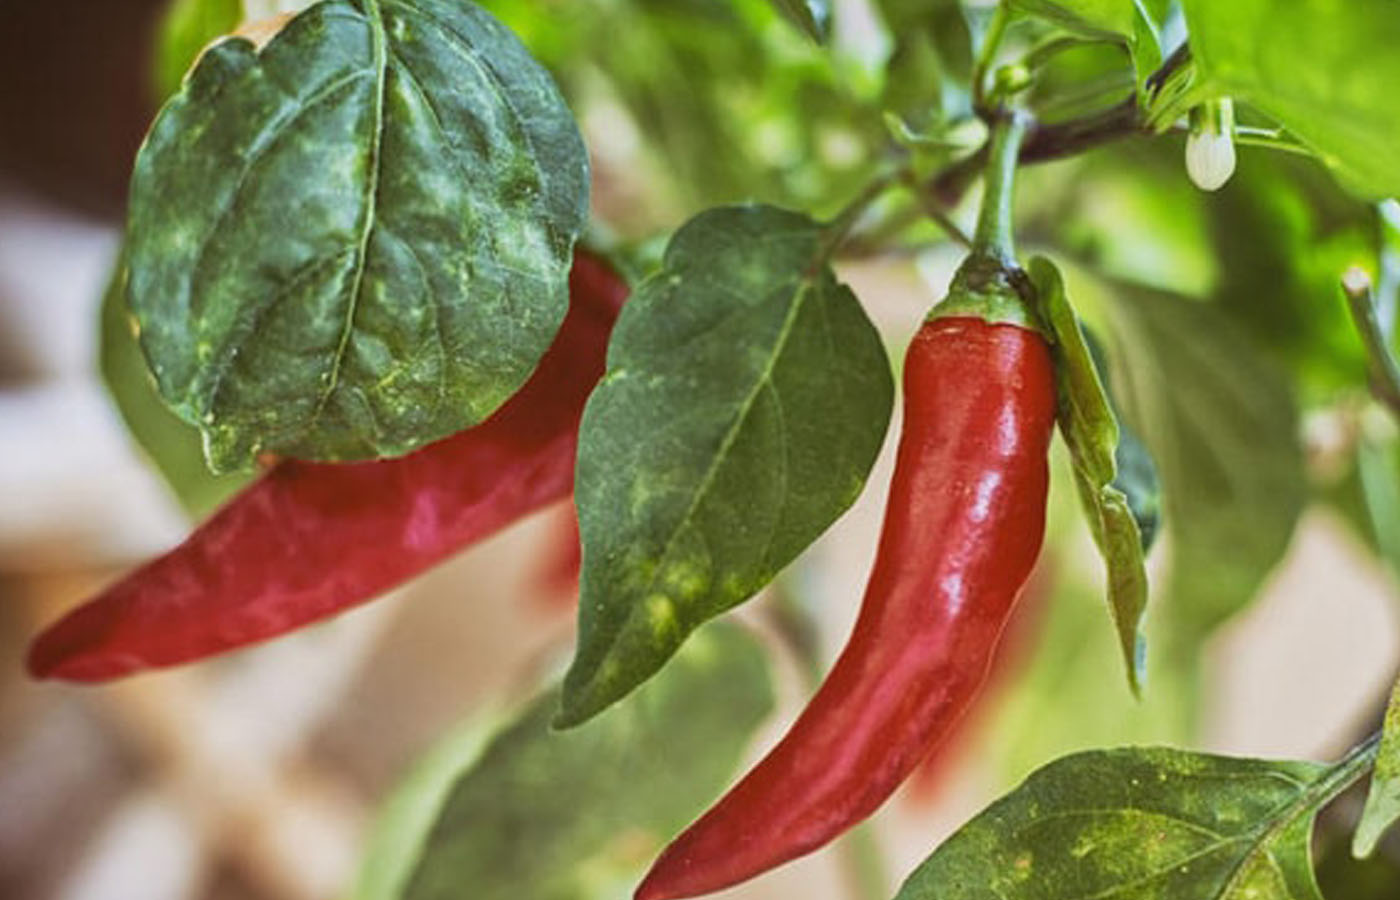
(812, 16)
(746, 398)
(1145, 824)
(1090, 429)
(406, 818)
(1092, 18)
(171, 444)
(1222, 424)
(1378, 468)
(1324, 70)
(358, 240)
(1382, 808)
(185, 29)
(576, 815)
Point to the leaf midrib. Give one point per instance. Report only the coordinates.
(803, 290)
(379, 41)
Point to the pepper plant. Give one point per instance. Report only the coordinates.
(365, 312)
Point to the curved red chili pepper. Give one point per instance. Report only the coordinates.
(962, 529)
(310, 539)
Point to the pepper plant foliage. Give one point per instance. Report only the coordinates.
(356, 240)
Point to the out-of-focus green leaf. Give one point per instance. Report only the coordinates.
(186, 28)
(1222, 424)
(407, 816)
(367, 297)
(1326, 70)
(1378, 466)
(1283, 235)
(1140, 823)
(1062, 702)
(1095, 18)
(1223, 427)
(170, 443)
(1090, 430)
(746, 398)
(1344, 877)
(1383, 800)
(812, 16)
(576, 815)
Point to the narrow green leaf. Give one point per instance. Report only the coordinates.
(746, 398)
(185, 28)
(1135, 470)
(1145, 824)
(576, 815)
(1378, 468)
(172, 445)
(358, 240)
(1222, 424)
(1382, 808)
(812, 16)
(1090, 430)
(1324, 70)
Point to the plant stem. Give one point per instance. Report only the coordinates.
(840, 226)
(1345, 772)
(1043, 143)
(994, 233)
(991, 42)
(1385, 372)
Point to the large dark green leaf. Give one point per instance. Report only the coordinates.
(1090, 429)
(1324, 69)
(1221, 423)
(812, 16)
(747, 395)
(171, 444)
(358, 240)
(547, 815)
(1140, 824)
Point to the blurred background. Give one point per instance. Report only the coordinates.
(257, 776)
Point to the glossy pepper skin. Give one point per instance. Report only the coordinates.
(962, 529)
(310, 539)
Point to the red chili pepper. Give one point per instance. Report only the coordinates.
(310, 539)
(963, 526)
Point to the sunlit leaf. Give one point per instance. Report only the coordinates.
(1143, 823)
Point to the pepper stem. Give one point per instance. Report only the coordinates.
(994, 234)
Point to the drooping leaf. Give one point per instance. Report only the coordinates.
(812, 16)
(1143, 823)
(1383, 800)
(1135, 471)
(356, 241)
(576, 815)
(1090, 429)
(184, 29)
(1222, 424)
(1325, 70)
(170, 443)
(746, 398)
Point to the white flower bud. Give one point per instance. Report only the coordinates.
(1210, 149)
